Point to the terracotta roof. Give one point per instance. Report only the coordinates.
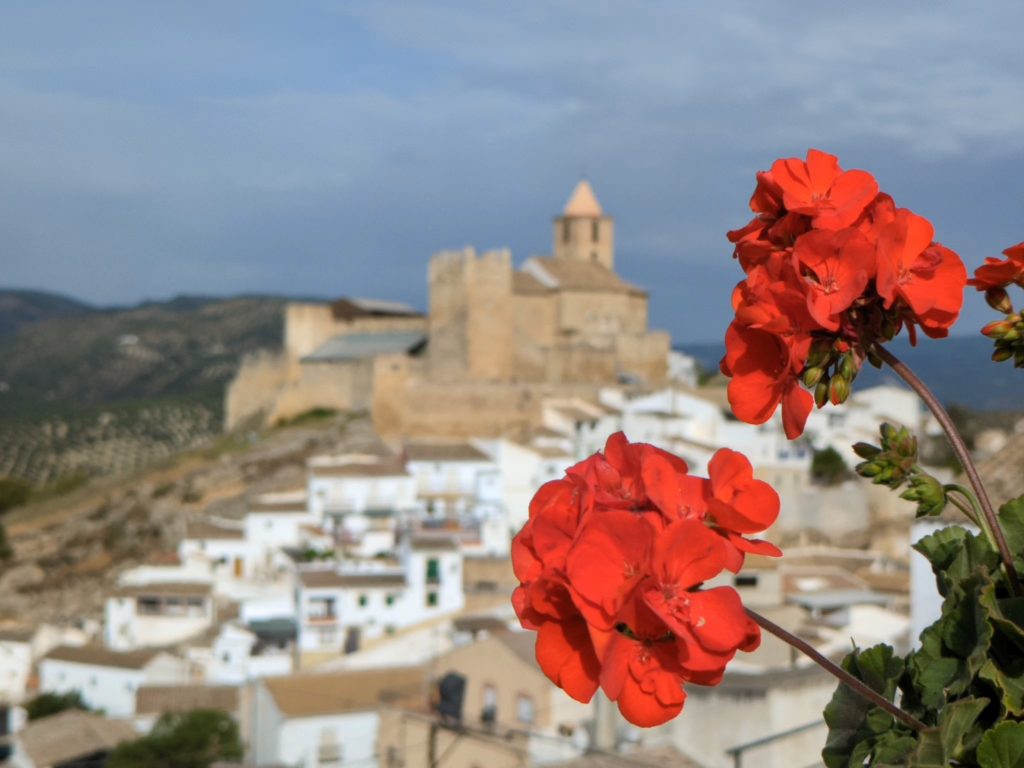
(324, 579)
(157, 699)
(164, 589)
(350, 309)
(71, 734)
(310, 695)
(435, 543)
(524, 283)
(98, 656)
(655, 757)
(206, 530)
(295, 505)
(480, 623)
(522, 644)
(583, 202)
(573, 275)
(444, 452)
(359, 469)
(1003, 472)
(16, 634)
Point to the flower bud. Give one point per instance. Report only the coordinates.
(868, 469)
(888, 432)
(1012, 335)
(1001, 354)
(997, 329)
(838, 390)
(812, 376)
(848, 367)
(866, 450)
(820, 354)
(821, 392)
(928, 493)
(999, 300)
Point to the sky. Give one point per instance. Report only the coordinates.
(327, 148)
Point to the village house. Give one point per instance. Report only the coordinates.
(157, 613)
(323, 720)
(108, 680)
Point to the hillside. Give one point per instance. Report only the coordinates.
(21, 308)
(109, 390)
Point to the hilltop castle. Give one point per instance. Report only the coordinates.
(495, 342)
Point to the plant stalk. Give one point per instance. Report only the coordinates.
(963, 455)
(832, 668)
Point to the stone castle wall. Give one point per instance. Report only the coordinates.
(252, 394)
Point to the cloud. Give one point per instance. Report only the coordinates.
(153, 149)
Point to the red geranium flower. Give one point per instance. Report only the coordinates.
(819, 188)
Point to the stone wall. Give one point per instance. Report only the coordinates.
(252, 394)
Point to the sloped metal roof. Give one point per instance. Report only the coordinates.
(358, 346)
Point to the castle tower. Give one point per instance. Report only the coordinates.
(583, 232)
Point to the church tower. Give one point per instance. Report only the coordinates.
(583, 232)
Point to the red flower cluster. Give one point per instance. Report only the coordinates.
(611, 564)
(994, 277)
(833, 266)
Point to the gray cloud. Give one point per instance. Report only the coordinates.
(332, 147)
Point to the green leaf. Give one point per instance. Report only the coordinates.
(1011, 520)
(954, 553)
(1009, 685)
(954, 723)
(929, 752)
(1002, 747)
(856, 726)
(931, 672)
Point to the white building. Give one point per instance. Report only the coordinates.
(340, 606)
(321, 720)
(454, 479)
(15, 663)
(354, 483)
(224, 549)
(274, 521)
(108, 680)
(230, 655)
(157, 614)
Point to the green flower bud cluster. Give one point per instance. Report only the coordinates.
(895, 463)
(891, 463)
(831, 367)
(1008, 335)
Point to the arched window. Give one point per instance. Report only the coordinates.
(595, 230)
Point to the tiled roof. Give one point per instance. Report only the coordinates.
(583, 202)
(434, 543)
(311, 695)
(95, 655)
(444, 452)
(358, 346)
(157, 699)
(206, 530)
(359, 469)
(522, 644)
(72, 734)
(573, 275)
(325, 579)
(525, 283)
(164, 589)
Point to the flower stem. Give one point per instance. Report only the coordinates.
(963, 455)
(831, 667)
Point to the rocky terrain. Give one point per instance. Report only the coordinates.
(69, 550)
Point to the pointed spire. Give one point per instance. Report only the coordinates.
(583, 203)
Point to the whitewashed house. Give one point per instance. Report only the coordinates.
(454, 479)
(157, 614)
(15, 663)
(230, 655)
(355, 483)
(324, 720)
(274, 521)
(108, 680)
(223, 548)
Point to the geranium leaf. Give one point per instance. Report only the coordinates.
(1010, 685)
(1011, 519)
(1002, 747)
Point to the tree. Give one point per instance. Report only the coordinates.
(46, 704)
(13, 492)
(828, 467)
(193, 739)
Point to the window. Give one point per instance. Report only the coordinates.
(148, 606)
(389, 600)
(433, 571)
(489, 711)
(321, 608)
(431, 599)
(363, 601)
(746, 581)
(327, 635)
(595, 230)
(524, 708)
(566, 231)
